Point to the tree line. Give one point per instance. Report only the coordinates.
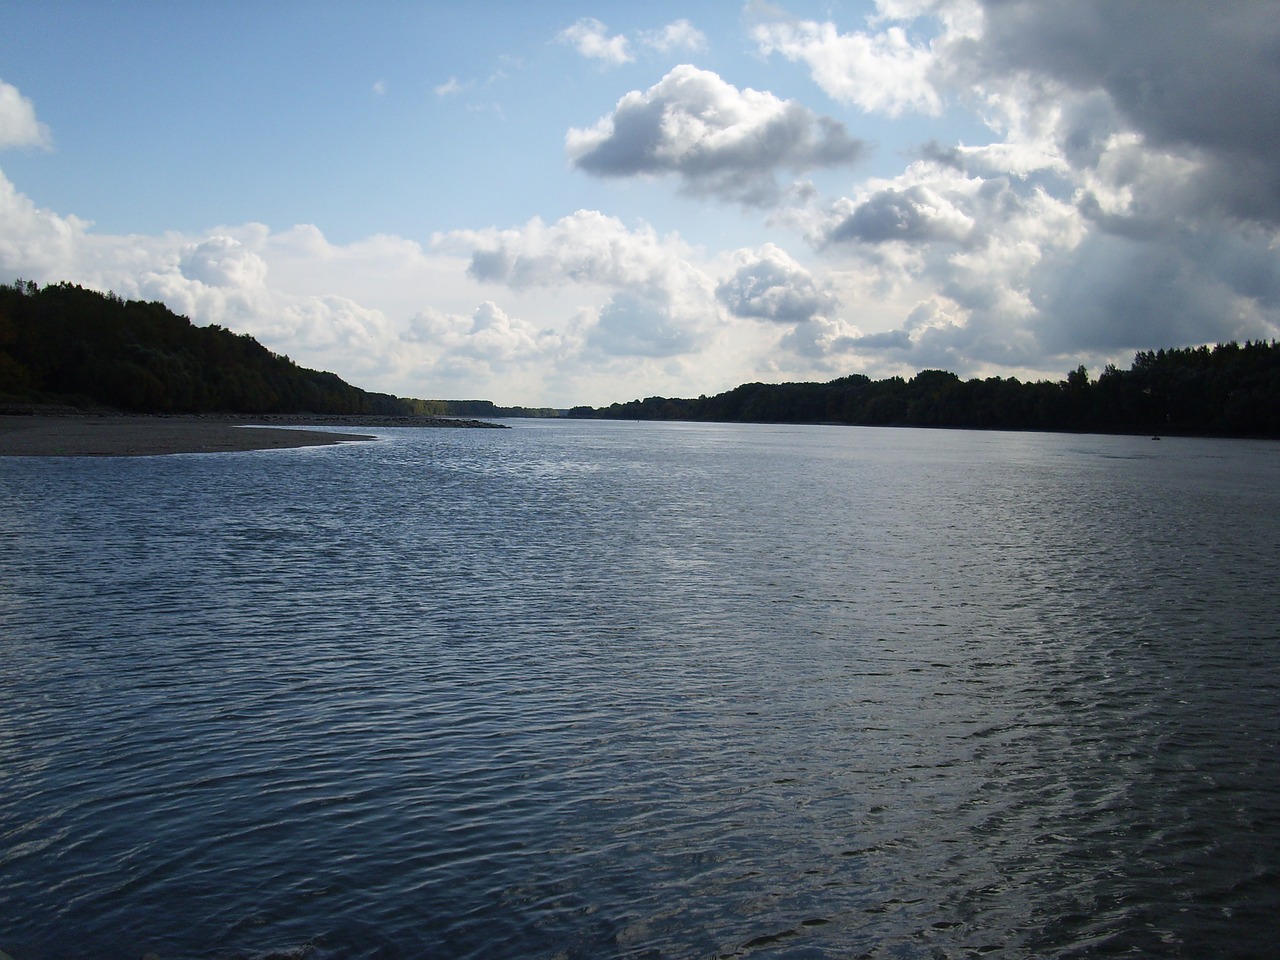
(68, 344)
(1227, 390)
(65, 344)
(476, 408)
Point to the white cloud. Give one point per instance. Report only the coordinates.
(451, 87)
(1128, 196)
(882, 71)
(18, 124)
(489, 339)
(638, 325)
(536, 314)
(824, 342)
(329, 323)
(677, 35)
(914, 214)
(935, 235)
(720, 141)
(1092, 217)
(586, 248)
(500, 339)
(35, 243)
(654, 300)
(222, 261)
(769, 284)
(590, 38)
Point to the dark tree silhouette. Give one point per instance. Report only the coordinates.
(1227, 390)
(64, 343)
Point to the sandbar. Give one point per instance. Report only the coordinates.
(147, 436)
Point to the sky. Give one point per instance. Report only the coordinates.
(564, 203)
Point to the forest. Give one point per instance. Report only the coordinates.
(476, 408)
(69, 345)
(64, 344)
(1227, 390)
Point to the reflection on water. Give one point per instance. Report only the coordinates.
(623, 690)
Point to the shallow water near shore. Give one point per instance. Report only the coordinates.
(584, 689)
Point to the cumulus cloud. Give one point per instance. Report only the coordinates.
(636, 325)
(882, 71)
(488, 339)
(388, 314)
(1128, 195)
(770, 285)
(913, 214)
(1061, 84)
(822, 341)
(677, 35)
(587, 247)
(18, 124)
(936, 236)
(220, 278)
(330, 324)
(223, 262)
(1121, 193)
(658, 301)
(1197, 77)
(590, 38)
(501, 339)
(720, 141)
(34, 242)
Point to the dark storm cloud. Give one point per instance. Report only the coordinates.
(1120, 293)
(1199, 74)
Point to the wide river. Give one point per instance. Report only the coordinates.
(598, 690)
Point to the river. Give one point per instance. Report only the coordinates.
(597, 690)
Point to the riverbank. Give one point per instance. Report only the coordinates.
(115, 435)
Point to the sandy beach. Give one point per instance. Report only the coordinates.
(142, 436)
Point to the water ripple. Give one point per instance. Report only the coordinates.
(611, 690)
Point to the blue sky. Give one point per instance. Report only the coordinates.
(563, 203)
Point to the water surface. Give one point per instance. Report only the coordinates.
(585, 689)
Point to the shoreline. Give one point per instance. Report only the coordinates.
(140, 435)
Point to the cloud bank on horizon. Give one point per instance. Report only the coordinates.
(994, 187)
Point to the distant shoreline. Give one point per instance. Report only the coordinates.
(128, 435)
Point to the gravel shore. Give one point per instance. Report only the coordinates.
(107, 435)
